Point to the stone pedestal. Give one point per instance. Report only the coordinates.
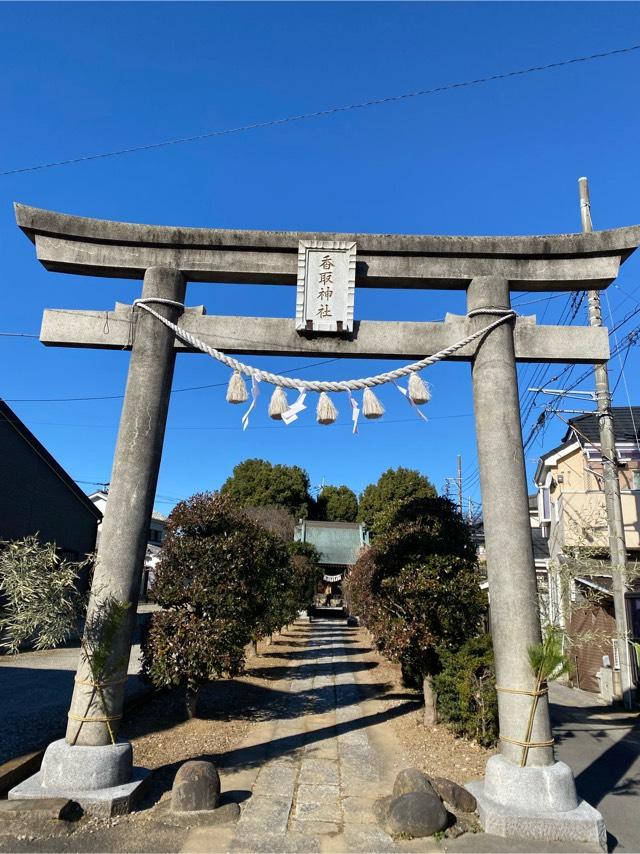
(536, 802)
(101, 779)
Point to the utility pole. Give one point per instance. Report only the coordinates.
(459, 479)
(613, 501)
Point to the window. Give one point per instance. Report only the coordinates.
(544, 504)
(636, 479)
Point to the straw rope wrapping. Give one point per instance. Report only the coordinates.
(538, 692)
(316, 385)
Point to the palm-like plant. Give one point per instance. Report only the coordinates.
(548, 661)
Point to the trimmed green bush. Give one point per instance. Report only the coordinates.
(223, 580)
(466, 689)
(416, 589)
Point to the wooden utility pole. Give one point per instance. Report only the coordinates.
(613, 500)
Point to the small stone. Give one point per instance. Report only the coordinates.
(196, 787)
(412, 780)
(416, 814)
(454, 794)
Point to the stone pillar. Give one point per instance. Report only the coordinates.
(515, 620)
(538, 801)
(125, 527)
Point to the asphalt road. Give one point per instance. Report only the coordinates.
(603, 749)
(35, 690)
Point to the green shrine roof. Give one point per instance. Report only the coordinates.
(337, 542)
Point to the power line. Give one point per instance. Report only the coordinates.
(373, 102)
(173, 391)
(256, 427)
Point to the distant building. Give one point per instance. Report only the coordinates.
(37, 496)
(154, 540)
(339, 544)
(573, 518)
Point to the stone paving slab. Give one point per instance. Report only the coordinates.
(321, 794)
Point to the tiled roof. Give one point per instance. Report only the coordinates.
(623, 425)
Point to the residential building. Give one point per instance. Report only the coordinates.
(339, 544)
(154, 541)
(540, 548)
(572, 514)
(38, 497)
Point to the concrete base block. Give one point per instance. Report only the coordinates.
(80, 767)
(101, 779)
(536, 803)
(115, 800)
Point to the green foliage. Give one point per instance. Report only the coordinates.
(393, 487)
(305, 573)
(337, 504)
(416, 589)
(466, 689)
(257, 483)
(42, 603)
(101, 630)
(223, 581)
(547, 659)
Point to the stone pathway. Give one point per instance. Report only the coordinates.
(315, 770)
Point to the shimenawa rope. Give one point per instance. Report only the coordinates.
(315, 385)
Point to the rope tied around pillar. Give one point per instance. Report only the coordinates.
(538, 693)
(528, 744)
(98, 720)
(93, 684)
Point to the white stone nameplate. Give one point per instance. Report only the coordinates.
(326, 286)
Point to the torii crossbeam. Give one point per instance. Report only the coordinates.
(488, 268)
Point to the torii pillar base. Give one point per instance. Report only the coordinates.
(101, 779)
(537, 803)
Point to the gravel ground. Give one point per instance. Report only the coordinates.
(435, 750)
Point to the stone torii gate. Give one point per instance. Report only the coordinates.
(538, 800)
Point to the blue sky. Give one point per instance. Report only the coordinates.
(500, 158)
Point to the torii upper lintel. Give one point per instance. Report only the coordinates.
(96, 247)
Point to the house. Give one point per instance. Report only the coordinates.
(572, 516)
(38, 497)
(339, 544)
(154, 541)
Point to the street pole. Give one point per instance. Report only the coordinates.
(460, 484)
(613, 500)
